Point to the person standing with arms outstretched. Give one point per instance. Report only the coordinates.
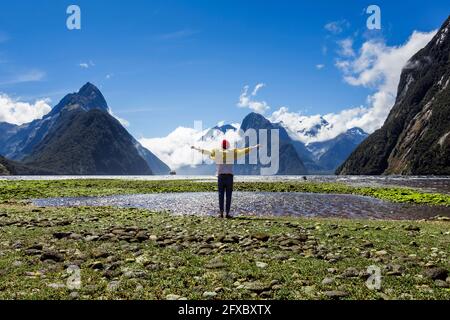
(224, 159)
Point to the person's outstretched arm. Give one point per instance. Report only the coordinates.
(243, 151)
(207, 152)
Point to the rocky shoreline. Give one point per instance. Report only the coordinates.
(137, 254)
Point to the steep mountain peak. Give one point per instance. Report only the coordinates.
(89, 90)
(224, 128)
(312, 129)
(88, 97)
(255, 121)
(357, 132)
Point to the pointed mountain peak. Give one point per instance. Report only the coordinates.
(255, 121)
(357, 131)
(88, 89)
(87, 98)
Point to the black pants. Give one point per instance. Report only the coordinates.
(225, 182)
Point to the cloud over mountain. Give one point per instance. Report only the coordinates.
(376, 66)
(17, 112)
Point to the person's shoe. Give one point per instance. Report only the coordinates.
(220, 215)
(228, 216)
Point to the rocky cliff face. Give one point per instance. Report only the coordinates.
(415, 138)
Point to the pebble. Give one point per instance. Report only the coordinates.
(441, 284)
(436, 273)
(261, 265)
(52, 255)
(350, 273)
(61, 235)
(336, 294)
(56, 285)
(327, 281)
(173, 297)
(17, 263)
(209, 294)
(261, 236)
(381, 253)
(216, 264)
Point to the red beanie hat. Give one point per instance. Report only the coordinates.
(225, 144)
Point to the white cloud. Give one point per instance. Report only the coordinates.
(16, 112)
(247, 100)
(175, 149)
(320, 66)
(337, 27)
(86, 65)
(257, 88)
(375, 66)
(346, 47)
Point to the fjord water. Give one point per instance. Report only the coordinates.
(275, 204)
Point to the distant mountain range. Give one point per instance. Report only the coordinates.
(295, 156)
(415, 138)
(77, 137)
(80, 137)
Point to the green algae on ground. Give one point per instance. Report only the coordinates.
(137, 254)
(21, 190)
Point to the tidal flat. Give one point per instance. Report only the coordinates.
(129, 253)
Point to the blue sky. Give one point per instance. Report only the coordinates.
(163, 64)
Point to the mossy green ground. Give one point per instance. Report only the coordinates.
(137, 254)
(70, 188)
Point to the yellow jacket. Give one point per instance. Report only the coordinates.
(224, 159)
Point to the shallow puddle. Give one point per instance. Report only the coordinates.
(259, 204)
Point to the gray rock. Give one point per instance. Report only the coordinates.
(216, 264)
(209, 294)
(261, 265)
(261, 236)
(327, 281)
(96, 265)
(436, 273)
(256, 286)
(442, 284)
(350, 273)
(61, 235)
(52, 255)
(91, 238)
(335, 294)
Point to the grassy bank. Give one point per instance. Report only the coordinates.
(20, 190)
(136, 254)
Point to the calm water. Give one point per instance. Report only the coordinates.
(260, 204)
(425, 183)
